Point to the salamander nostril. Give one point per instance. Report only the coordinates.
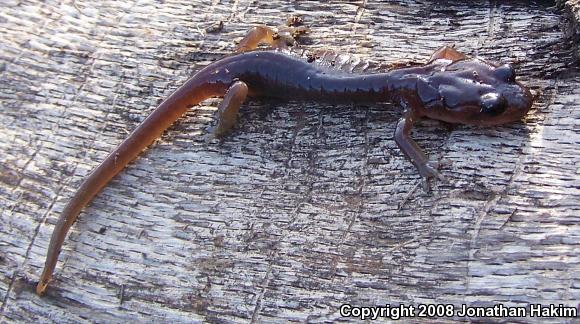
(493, 104)
(506, 73)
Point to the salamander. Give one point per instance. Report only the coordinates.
(450, 87)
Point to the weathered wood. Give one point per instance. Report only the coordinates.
(571, 9)
(306, 206)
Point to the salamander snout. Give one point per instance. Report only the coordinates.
(517, 100)
(513, 99)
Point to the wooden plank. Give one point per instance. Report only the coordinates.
(571, 9)
(306, 206)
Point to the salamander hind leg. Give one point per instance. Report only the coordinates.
(255, 37)
(227, 113)
(447, 53)
(291, 31)
(280, 38)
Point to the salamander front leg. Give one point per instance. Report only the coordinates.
(227, 113)
(412, 151)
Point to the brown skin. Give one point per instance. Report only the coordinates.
(450, 87)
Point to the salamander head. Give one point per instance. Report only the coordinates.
(471, 91)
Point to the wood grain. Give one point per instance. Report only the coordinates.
(304, 207)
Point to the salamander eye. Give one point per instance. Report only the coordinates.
(506, 73)
(493, 104)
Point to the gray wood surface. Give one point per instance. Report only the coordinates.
(305, 206)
